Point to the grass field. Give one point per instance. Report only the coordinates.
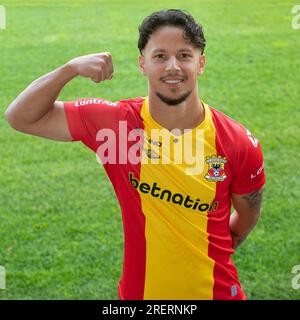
(61, 233)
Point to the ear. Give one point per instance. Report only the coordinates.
(142, 64)
(201, 64)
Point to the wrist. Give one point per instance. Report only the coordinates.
(236, 239)
(69, 70)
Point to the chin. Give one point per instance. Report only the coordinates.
(173, 101)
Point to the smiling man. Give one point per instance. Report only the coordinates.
(179, 232)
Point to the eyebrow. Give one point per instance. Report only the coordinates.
(163, 50)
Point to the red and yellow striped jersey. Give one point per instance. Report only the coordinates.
(174, 192)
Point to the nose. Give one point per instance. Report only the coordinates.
(172, 64)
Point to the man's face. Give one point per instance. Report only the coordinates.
(172, 65)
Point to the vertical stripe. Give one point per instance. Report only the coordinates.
(226, 285)
(131, 285)
(177, 261)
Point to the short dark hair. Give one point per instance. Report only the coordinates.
(171, 17)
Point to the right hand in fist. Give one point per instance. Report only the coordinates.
(97, 66)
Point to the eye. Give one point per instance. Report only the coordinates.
(160, 56)
(185, 55)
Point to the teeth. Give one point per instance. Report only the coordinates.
(173, 81)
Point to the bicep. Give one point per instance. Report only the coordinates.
(249, 202)
(53, 125)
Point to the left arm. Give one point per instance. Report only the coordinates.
(245, 216)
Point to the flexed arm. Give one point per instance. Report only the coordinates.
(35, 111)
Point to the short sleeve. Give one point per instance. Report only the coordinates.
(249, 174)
(85, 117)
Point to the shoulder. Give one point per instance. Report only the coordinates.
(226, 124)
(96, 106)
(133, 103)
(232, 132)
(242, 151)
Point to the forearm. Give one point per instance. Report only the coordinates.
(246, 214)
(241, 226)
(38, 98)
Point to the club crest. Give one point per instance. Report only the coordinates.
(216, 170)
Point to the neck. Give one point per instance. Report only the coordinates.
(186, 115)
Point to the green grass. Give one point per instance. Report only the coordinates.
(61, 234)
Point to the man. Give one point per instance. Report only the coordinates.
(178, 226)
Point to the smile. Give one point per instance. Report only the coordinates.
(173, 81)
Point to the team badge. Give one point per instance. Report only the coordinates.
(216, 171)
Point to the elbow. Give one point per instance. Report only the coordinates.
(8, 116)
(11, 119)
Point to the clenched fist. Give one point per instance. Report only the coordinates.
(97, 66)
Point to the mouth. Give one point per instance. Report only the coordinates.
(173, 82)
